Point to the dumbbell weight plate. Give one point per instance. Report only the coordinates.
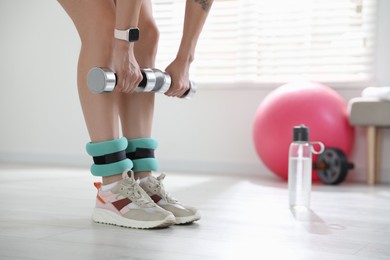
(101, 80)
(163, 81)
(336, 166)
(148, 82)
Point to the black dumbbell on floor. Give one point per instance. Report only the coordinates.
(101, 80)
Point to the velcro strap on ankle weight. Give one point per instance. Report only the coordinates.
(109, 157)
(141, 152)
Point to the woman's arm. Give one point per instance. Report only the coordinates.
(127, 13)
(124, 63)
(195, 16)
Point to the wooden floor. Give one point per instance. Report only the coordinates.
(45, 214)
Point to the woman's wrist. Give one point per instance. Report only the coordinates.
(123, 44)
(186, 57)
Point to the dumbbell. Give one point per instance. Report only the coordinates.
(101, 80)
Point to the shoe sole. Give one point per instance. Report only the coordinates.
(187, 220)
(104, 216)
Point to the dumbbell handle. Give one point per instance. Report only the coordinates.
(101, 80)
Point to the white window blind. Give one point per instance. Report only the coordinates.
(275, 40)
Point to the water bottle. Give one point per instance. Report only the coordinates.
(300, 168)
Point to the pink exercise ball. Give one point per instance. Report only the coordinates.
(315, 105)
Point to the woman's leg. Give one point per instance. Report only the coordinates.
(95, 21)
(136, 113)
(136, 109)
(121, 203)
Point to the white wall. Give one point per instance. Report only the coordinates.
(41, 119)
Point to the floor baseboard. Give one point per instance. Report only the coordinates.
(223, 168)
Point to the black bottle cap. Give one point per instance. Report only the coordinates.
(300, 133)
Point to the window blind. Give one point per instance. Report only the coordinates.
(275, 40)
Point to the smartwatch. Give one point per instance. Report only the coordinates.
(130, 35)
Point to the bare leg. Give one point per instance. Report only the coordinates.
(100, 111)
(136, 110)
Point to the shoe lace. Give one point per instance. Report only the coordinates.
(131, 189)
(158, 186)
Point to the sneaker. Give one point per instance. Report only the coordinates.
(127, 205)
(155, 189)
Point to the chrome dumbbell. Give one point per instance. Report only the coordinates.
(101, 80)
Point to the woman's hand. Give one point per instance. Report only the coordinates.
(125, 66)
(179, 72)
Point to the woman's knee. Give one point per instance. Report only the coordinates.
(146, 47)
(150, 34)
(94, 20)
(101, 40)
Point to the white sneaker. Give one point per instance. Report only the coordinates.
(127, 205)
(155, 189)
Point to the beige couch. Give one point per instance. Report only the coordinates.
(374, 114)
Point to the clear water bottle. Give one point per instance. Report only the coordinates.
(300, 169)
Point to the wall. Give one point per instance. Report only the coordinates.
(41, 119)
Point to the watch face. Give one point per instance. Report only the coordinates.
(133, 35)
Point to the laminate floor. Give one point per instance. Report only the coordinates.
(45, 214)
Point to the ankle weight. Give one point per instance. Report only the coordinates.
(141, 153)
(109, 157)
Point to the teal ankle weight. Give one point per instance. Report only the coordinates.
(109, 157)
(141, 153)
